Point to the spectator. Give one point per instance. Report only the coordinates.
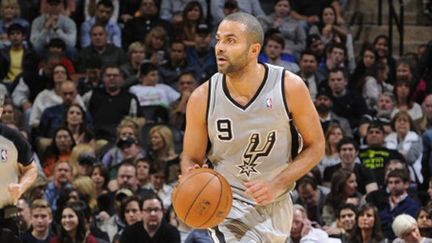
(368, 57)
(100, 178)
(324, 105)
(58, 46)
(399, 201)
(83, 157)
(309, 11)
(192, 16)
(153, 227)
(343, 189)
(368, 227)
(23, 215)
(407, 230)
(74, 226)
(61, 180)
(75, 121)
(108, 53)
(10, 14)
(92, 78)
(220, 8)
(151, 93)
(126, 178)
(130, 212)
(156, 42)
(171, 10)
(137, 28)
(17, 57)
(53, 24)
(158, 184)
(315, 44)
(308, 72)
(60, 149)
(424, 222)
(403, 93)
(186, 85)
(104, 11)
(348, 152)
(176, 64)
(426, 122)
(346, 103)
(136, 56)
(90, 9)
(143, 171)
(381, 45)
(41, 219)
(330, 28)
(128, 10)
(312, 197)
(405, 140)
(345, 221)
(86, 189)
(292, 32)
(202, 55)
(335, 59)
(376, 156)
(108, 106)
(273, 47)
(331, 157)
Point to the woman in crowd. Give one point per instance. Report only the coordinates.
(74, 225)
(368, 57)
(381, 45)
(10, 14)
(407, 141)
(403, 93)
(192, 17)
(87, 189)
(329, 27)
(162, 152)
(130, 213)
(100, 178)
(75, 121)
(156, 42)
(290, 29)
(334, 134)
(136, 54)
(368, 227)
(343, 190)
(60, 149)
(373, 84)
(424, 222)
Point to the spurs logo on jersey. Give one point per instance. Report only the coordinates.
(253, 153)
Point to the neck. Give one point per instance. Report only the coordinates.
(40, 235)
(349, 166)
(323, 114)
(274, 60)
(100, 49)
(246, 82)
(366, 235)
(16, 47)
(74, 128)
(151, 232)
(113, 92)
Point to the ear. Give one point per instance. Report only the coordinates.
(256, 48)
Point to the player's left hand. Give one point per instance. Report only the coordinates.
(262, 191)
(15, 191)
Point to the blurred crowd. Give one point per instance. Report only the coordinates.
(100, 87)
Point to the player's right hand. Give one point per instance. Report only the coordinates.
(195, 166)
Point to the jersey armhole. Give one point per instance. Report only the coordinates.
(294, 132)
(208, 100)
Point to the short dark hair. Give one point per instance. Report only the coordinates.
(124, 204)
(308, 52)
(146, 68)
(253, 26)
(57, 43)
(277, 37)
(399, 173)
(337, 45)
(150, 196)
(349, 206)
(338, 69)
(307, 180)
(16, 27)
(347, 140)
(106, 3)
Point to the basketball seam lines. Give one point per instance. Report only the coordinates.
(217, 205)
(187, 214)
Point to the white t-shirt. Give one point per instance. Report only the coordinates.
(160, 94)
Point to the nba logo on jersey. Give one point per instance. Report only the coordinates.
(3, 155)
(269, 103)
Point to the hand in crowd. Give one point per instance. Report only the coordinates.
(15, 191)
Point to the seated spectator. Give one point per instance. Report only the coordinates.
(324, 104)
(171, 10)
(143, 171)
(332, 137)
(10, 14)
(130, 212)
(16, 57)
(272, 54)
(348, 152)
(308, 72)
(303, 231)
(367, 58)
(381, 45)
(202, 55)
(11, 115)
(136, 56)
(61, 180)
(220, 8)
(345, 221)
(91, 79)
(407, 142)
(151, 93)
(153, 227)
(177, 110)
(58, 46)
(109, 54)
(336, 55)
(368, 226)
(406, 229)
(140, 24)
(329, 27)
(109, 105)
(309, 11)
(100, 178)
(424, 222)
(83, 158)
(192, 16)
(23, 215)
(74, 226)
(292, 32)
(315, 44)
(399, 201)
(158, 184)
(343, 189)
(41, 219)
(75, 121)
(376, 156)
(156, 42)
(104, 11)
(404, 102)
(60, 149)
(426, 122)
(176, 64)
(53, 24)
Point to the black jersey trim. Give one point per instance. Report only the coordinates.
(208, 100)
(294, 132)
(283, 95)
(227, 94)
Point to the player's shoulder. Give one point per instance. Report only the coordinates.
(9, 133)
(201, 93)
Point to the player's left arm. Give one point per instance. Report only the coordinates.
(28, 174)
(306, 119)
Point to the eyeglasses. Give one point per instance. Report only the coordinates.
(149, 210)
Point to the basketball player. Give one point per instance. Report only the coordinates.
(18, 171)
(244, 110)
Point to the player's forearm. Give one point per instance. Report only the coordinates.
(304, 162)
(28, 176)
(187, 162)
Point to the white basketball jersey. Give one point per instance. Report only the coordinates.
(252, 141)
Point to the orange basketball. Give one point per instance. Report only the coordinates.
(203, 199)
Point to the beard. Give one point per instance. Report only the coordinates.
(321, 108)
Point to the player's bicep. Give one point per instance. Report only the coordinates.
(303, 110)
(195, 138)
